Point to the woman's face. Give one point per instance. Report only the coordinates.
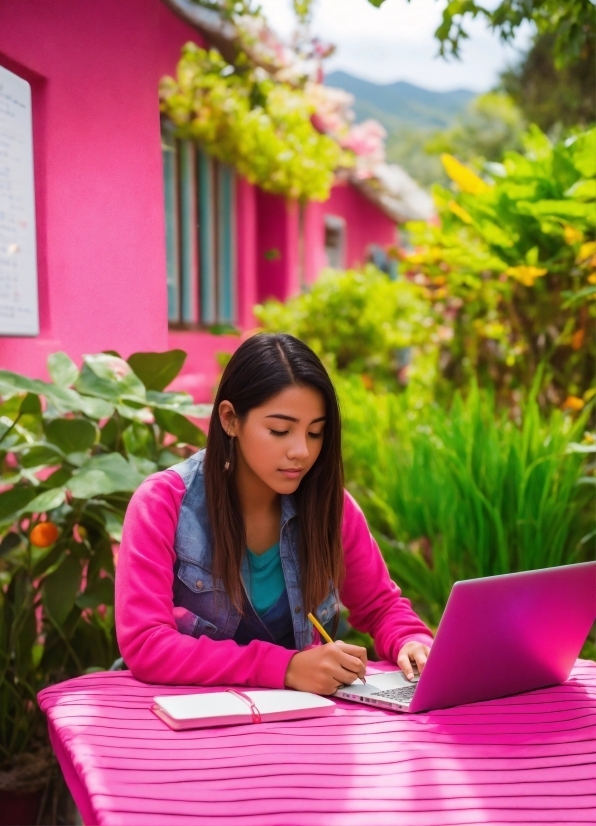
(280, 441)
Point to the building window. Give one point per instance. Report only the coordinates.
(200, 207)
(335, 241)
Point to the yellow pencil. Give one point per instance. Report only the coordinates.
(325, 635)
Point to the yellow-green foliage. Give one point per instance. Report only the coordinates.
(513, 267)
(358, 321)
(259, 126)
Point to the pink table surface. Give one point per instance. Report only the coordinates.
(524, 759)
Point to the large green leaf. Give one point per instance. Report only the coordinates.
(157, 370)
(60, 589)
(90, 384)
(583, 190)
(101, 592)
(179, 426)
(9, 542)
(20, 383)
(560, 209)
(180, 403)
(13, 501)
(71, 435)
(38, 455)
(46, 501)
(115, 374)
(62, 369)
(583, 149)
(30, 406)
(103, 475)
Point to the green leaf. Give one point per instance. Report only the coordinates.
(30, 406)
(103, 475)
(71, 435)
(60, 589)
(101, 592)
(583, 191)
(113, 525)
(181, 427)
(46, 501)
(13, 501)
(62, 369)
(574, 298)
(10, 541)
(96, 408)
(561, 209)
(46, 558)
(583, 150)
(90, 384)
(157, 370)
(115, 376)
(135, 414)
(39, 455)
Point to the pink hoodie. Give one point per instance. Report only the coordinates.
(156, 652)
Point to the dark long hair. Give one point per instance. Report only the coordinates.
(262, 367)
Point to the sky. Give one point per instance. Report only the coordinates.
(396, 42)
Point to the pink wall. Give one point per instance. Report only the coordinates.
(278, 273)
(95, 69)
(365, 223)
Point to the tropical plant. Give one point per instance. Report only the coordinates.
(359, 321)
(259, 125)
(512, 268)
(72, 451)
(465, 492)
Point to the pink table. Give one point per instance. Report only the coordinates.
(525, 759)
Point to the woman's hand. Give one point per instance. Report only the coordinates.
(323, 668)
(412, 652)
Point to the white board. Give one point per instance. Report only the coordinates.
(19, 311)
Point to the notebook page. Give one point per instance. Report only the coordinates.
(222, 704)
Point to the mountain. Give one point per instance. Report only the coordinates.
(401, 104)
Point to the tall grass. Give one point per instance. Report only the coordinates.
(461, 493)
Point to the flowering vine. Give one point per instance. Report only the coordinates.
(259, 125)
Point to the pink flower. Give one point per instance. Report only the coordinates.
(367, 139)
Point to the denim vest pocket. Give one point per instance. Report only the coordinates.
(191, 624)
(210, 607)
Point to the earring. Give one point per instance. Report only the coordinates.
(229, 465)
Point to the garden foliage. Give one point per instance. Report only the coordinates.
(246, 119)
(513, 267)
(72, 451)
(359, 321)
(465, 492)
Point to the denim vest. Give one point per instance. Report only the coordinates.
(208, 609)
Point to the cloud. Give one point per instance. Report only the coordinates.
(396, 42)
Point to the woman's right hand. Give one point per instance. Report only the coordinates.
(323, 668)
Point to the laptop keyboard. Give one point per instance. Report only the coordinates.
(401, 695)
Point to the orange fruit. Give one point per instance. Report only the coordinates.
(44, 534)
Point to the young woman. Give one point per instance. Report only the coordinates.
(224, 555)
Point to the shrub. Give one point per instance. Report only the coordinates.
(361, 322)
(72, 451)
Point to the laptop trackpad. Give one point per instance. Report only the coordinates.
(381, 682)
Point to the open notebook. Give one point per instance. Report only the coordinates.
(233, 707)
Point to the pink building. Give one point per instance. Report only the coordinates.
(115, 270)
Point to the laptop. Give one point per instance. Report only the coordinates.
(498, 636)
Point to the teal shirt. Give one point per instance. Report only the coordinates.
(266, 583)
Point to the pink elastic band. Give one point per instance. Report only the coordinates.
(256, 714)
